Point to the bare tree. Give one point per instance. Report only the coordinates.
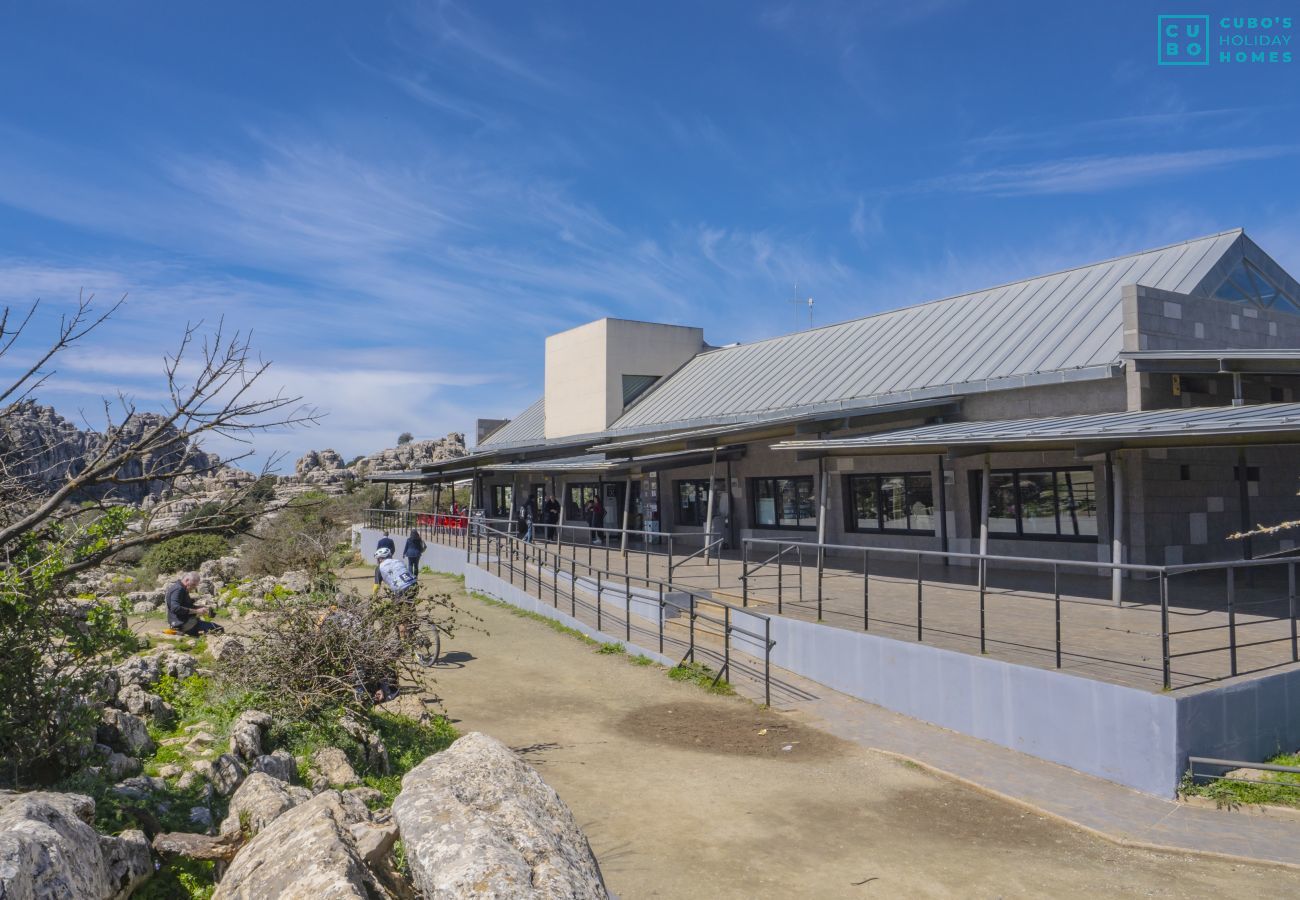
(56, 524)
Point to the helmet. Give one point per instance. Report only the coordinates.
(383, 553)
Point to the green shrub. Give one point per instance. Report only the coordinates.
(181, 554)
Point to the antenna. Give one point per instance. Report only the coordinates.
(798, 303)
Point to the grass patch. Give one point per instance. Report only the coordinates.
(1283, 788)
(641, 660)
(611, 648)
(699, 674)
(536, 617)
(409, 743)
(180, 879)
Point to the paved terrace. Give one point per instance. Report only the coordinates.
(1118, 644)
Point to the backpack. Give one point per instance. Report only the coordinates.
(395, 575)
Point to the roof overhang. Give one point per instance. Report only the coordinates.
(1215, 362)
(765, 430)
(1220, 426)
(598, 464)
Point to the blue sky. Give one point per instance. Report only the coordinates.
(403, 199)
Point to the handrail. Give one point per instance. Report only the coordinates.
(516, 547)
(672, 566)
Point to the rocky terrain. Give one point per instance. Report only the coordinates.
(51, 449)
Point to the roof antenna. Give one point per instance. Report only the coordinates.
(798, 303)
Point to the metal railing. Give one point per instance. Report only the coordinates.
(1232, 765)
(667, 546)
(1179, 615)
(711, 631)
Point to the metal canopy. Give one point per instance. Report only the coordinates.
(597, 463)
(746, 432)
(1269, 423)
(1225, 361)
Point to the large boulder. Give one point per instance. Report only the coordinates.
(139, 702)
(225, 773)
(246, 733)
(125, 732)
(333, 766)
(308, 853)
(477, 821)
(280, 765)
(142, 670)
(259, 801)
(50, 851)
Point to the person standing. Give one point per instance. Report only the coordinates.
(386, 541)
(413, 550)
(528, 515)
(182, 614)
(551, 516)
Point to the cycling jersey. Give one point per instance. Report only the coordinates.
(393, 572)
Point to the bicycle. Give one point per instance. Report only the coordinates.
(422, 635)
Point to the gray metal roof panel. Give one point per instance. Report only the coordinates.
(1061, 321)
(1102, 427)
(529, 427)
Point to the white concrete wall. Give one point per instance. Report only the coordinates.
(585, 368)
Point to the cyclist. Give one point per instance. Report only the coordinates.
(393, 574)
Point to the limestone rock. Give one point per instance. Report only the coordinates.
(280, 765)
(373, 842)
(198, 846)
(119, 766)
(308, 853)
(477, 821)
(259, 801)
(332, 763)
(139, 702)
(50, 851)
(139, 787)
(246, 733)
(125, 732)
(225, 648)
(177, 664)
(201, 816)
(141, 670)
(376, 754)
(225, 773)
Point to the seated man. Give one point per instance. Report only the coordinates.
(182, 614)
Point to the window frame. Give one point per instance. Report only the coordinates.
(753, 501)
(698, 483)
(850, 508)
(1020, 534)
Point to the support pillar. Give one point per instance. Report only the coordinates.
(984, 507)
(1243, 491)
(708, 515)
(1115, 468)
(821, 502)
(627, 506)
(943, 510)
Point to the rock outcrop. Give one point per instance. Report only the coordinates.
(307, 853)
(50, 851)
(477, 821)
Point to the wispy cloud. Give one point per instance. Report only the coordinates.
(1091, 174)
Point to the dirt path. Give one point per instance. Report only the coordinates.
(682, 795)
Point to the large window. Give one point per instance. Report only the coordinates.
(502, 496)
(900, 503)
(576, 498)
(692, 501)
(784, 502)
(1040, 504)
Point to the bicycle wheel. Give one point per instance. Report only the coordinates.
(427, 643)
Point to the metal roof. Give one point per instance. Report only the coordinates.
(861, 414)
(1279, 360)
(1196, 427)
(598, 462)
(529, 427)
(1063, 326)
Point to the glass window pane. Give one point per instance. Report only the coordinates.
(1077, 498)
(765, 503)
(1038, 503)
(920, 503)
(1002, 503)
(806, 504)
(864, 503)
(893, 502)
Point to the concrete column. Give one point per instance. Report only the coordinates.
(821, 500)
(984, 507)
(564, 503)
(627, 505)
(708, 515)
(1117, 526)
(943, 511)
(514, 501)
(1243, 491)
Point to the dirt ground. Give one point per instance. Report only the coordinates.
(687, 794)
